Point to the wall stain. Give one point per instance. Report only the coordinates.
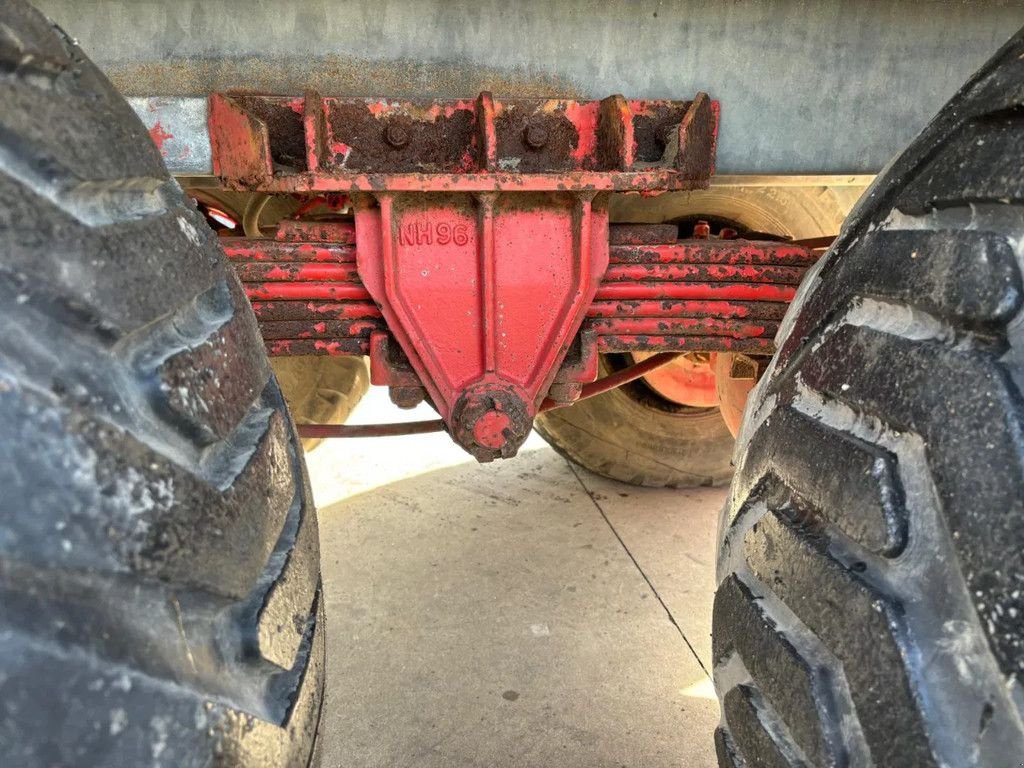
(332, 75)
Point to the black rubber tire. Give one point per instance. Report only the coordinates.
(632, 435)
(159, 564)
(869, 608)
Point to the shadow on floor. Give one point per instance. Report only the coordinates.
(522, 613)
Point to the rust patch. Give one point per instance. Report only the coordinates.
(284, 129)
(642, 234)
(534, 141)
(697, 139)
(400, 143)
(615, 149)
(651, 131)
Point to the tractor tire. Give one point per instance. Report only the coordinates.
(321, 389)
(633, 435)
(794, 212)
(870, 602)
(159, 562)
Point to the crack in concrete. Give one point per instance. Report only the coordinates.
(636, 564)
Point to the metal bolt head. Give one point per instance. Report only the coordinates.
(396, 135)
(407, 397)
(489, 429)
(490, 421)
(535, 136)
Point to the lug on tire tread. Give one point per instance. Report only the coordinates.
(159, 558)
(871, 577)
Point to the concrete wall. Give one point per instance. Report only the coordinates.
(836, 86)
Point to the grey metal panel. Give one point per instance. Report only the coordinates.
(178, 125)
(836, 86)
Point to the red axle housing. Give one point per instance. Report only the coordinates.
(478, 272)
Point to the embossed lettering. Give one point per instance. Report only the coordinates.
(427, 233)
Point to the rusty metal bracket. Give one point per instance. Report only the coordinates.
(316, 143)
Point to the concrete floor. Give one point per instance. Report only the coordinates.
(524, 613)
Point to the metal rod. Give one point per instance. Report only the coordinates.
(251, 215)
(593, 389)
(617, 379)
(371, 430)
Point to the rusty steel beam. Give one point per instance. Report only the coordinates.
(316, 143)
(605, 384)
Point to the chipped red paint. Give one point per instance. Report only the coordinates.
(755, 346)
(255, 272)
(732, 291)
(685, 296)
(726, 252)
(642, 234)
(688, 380)
(757, 310)
(496, 296)
(289, 292)
(256, 250)
(478, 145)
(681, 326)
(334, 233)
(716, 273)
(159, 136)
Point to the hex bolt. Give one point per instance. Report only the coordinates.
(535, 136)
(407, 397)
(396, 136)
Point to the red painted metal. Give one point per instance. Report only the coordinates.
(484, 296)
(687, 380)
(724, 312)
(483, 287)
(726, 308)
(735, 377)
(327, 144)
(478, 271)
(593, 389)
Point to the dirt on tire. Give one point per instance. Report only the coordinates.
(870, 607)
